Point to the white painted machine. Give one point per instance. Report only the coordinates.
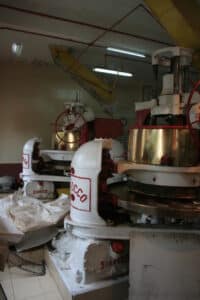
(43, 169)
(88, 249)
(157, 209)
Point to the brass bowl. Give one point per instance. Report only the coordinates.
(69, 141)
(163, 146)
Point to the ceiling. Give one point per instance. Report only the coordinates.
(83, 27)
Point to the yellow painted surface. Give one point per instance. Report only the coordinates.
(65, 191)
(181, 19)
(70, 64)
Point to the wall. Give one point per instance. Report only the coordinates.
(32, 95)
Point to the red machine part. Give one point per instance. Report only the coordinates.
(108, 128)
(188, 108)
(118, 246)
(141, 116)
(101, 127)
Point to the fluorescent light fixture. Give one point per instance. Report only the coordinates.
(126, 52)
(112, 72)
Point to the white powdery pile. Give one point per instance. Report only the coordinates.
(30, 214)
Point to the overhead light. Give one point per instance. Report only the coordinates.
(126, 52)
(17, 49)
(112, 72)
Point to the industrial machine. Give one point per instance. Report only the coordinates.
(91, 250)
(164, 181)
(156, 208)
(43, 170)
(47, 171)
(71, 127)
(163, 151)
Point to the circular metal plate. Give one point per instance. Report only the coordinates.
(186, 206)
(168, 208)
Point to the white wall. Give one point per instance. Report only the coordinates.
(31, 97)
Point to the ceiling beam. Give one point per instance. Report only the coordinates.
(77, 22)
(181, 19)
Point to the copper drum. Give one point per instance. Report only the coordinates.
(169, 146)
(69, 140)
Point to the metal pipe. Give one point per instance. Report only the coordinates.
(177, 75)
(155, 92)
(186, 79)
(93, 26)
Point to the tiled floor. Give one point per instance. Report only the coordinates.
(20, 285)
